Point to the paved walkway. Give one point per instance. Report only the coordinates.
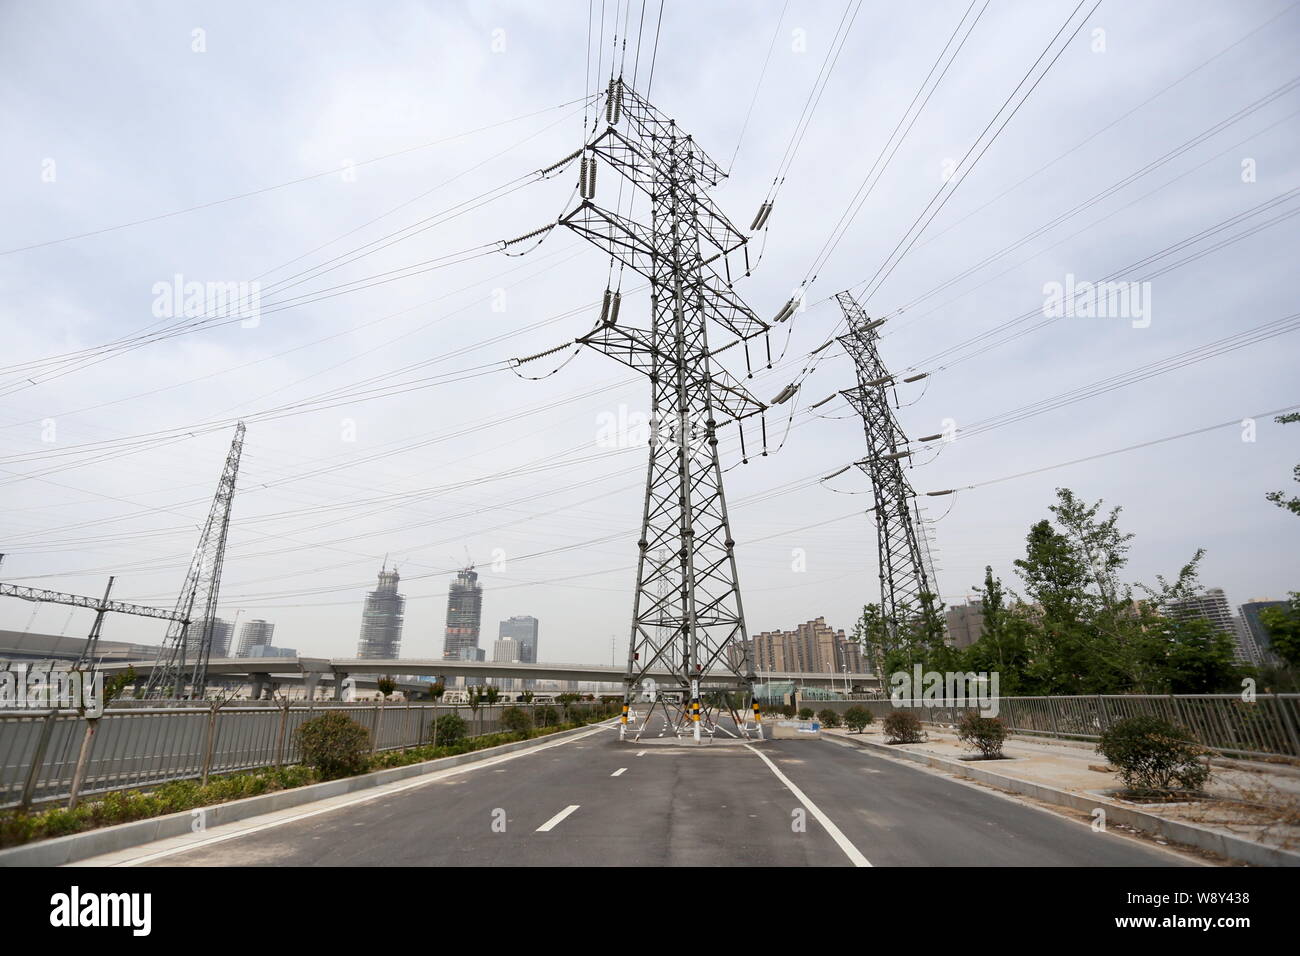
(1257, 800)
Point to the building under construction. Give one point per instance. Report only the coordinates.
(464, 618)
(381, 621)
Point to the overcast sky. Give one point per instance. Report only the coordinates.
(113, 113)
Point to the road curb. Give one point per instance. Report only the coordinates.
(1175, 831)
(80, 846)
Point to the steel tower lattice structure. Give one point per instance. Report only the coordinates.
(687, 608)
(197, 604)
(907, 584)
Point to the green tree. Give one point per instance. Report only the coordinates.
(1283, 626)
(493, 693)
(386, 686)
(1279, 498)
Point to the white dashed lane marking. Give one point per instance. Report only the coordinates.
(557, 819)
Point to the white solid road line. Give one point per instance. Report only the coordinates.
(551, 823)
(852, 852)
(371, 795)
(619, 772)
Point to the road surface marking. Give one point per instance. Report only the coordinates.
(640, 753)
(840, 839)
(555, 820)
(420, 781)
(619, 772)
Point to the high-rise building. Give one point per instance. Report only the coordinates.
(506, 650)
(222, 631)
(464, 618)
(253, 634)
(965, 623)
(521, 628)
(1213, 606)
(1255, 635)
(813, 647)
(381, 620)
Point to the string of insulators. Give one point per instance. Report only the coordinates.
(564, 162)
(787, 310)
(823, 401)
(936, 494)
(821, 348)
(526, 236)
(933, 437)
(760, 218)
(609, 308)
(533, 358)
(916, 378)
(785, 395)
(872, 325)
(614, 102)
(895, 455)
(836, 474)
(587, 177)
(878, 381)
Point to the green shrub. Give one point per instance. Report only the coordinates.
(334, 745)
(805, 713)
(1153, 754)
(448, 730)
(516, 721)
(828, 718)
(985, 734)
(902, 727)
(547, 715)
(857, 717)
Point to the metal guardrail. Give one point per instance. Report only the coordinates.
(40, 750)
(1269, 726)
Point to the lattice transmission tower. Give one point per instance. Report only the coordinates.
(907, 583)
(181, 668)
(687, 615)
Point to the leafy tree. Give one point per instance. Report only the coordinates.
(448, 729)
(828, 718)
(334, 745)
(1153, 754)
(857, 718)
(1279, 498)
(1185, 654)
(386, 686)
(516, 721)
(1283, 626)
(985, 734)
(492, 693)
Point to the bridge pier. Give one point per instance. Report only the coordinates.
(340, 677)
(310, 680)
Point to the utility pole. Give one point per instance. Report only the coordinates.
(171, 673)
(686, 582)
(907, 585)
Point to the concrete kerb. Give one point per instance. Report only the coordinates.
(79, 846)
(1174, 831)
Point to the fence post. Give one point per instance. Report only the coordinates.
(210, 745)
(38, 761)
(1051, 713)
(1101, 713)
(375, 724)
(1176, 711)
(284, 729)
(83, 758)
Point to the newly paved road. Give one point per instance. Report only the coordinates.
(660, 803)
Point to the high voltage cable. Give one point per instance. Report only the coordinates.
(291, 182)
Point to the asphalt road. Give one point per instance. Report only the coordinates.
(658, 803)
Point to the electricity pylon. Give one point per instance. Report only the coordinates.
(907, 585)
(190, 632)
(686, 582)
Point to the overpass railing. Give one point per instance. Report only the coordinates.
(1268, 726)
(145, 746)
